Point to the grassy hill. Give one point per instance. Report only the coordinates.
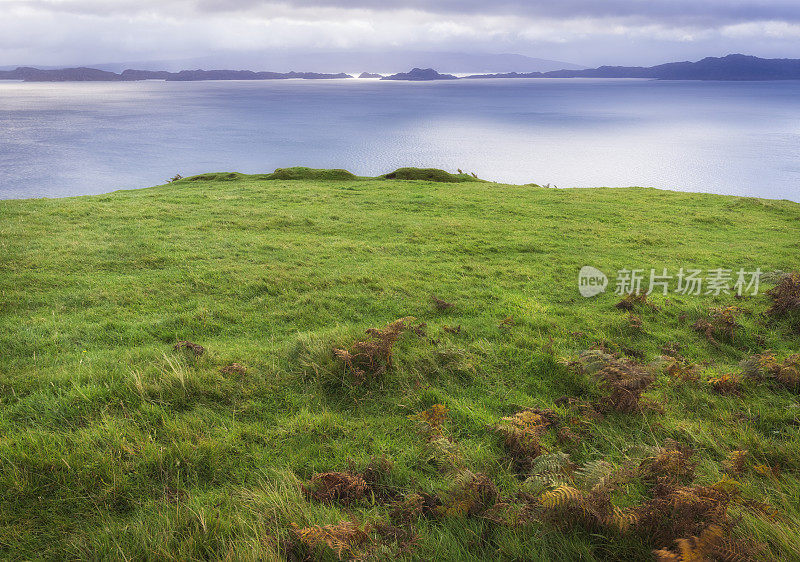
(115, 445)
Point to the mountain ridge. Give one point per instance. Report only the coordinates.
(85, 74)
(733, 67)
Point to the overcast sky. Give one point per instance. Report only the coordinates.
(588, 32)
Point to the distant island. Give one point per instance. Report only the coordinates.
(420, 74)
(730, 67)
(28, 74)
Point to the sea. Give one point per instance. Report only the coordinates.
(736, 138)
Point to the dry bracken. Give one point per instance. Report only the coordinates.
(344, 538)
(766, 367)
(735, 463)
(440, 304)
(521, 434)
(727, 383)
(336, 486)
(472, 493)
(785, 295)
(721, 324)
(631, 300)
(194, 348)
(683, 370)
(233, 369)
(433, 418)
(373, 356)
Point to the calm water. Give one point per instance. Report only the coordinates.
(734, 138)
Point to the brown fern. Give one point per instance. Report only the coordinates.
(631, 301)
(693, 549)
(671, 348)
(407, 509)
(471, 494)
(194, 348)
(568, 506)
(521, 434)
(677, 512)
(706, 328)
(442, 450)
(760, 367)
(567, 436)
(585, 498)
(765, 367)
(785, 295)
(344, 538)
(772, 472)
(671, 465)
(376, 473)
(336, 486)
(735, 463)
(789, 374)
(441, 305)
(625, 381)
(433, 419)
(727, 383)
(681, 369)
(720, 323)
(233, 369)
(373, 356)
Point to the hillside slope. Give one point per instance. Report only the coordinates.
(113, 444)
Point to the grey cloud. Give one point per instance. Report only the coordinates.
(709, 13)
(589, 32)
(703, 12)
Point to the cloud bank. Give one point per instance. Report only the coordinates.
(589, 32)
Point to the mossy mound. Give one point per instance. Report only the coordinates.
(217, 176)
(316, 174)
(427, 174)
(301, 173)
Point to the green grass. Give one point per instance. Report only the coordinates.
(112, 445)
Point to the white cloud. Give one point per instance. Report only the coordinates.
(754, 30)
(586, 31)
